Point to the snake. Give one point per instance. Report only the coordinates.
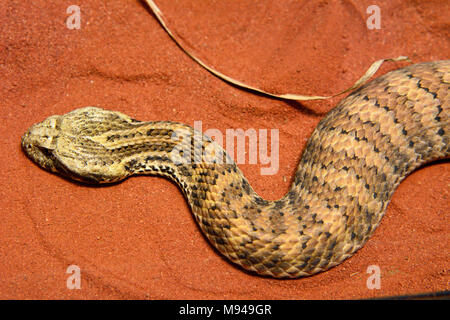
(353, 161)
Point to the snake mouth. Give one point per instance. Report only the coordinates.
(40, 154)
(46, 159)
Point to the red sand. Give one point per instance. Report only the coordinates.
(138, 239)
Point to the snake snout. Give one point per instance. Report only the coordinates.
(39, 142)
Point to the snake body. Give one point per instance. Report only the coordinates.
(353, 161)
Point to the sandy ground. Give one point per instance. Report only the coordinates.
(138, 239)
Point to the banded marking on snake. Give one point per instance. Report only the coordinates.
(353, 161)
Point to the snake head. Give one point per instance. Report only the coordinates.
(71, 145)
(39, 142)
